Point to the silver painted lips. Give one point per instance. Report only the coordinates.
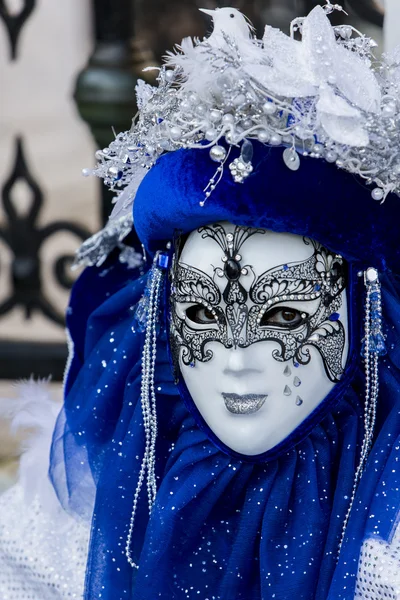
(244, 405)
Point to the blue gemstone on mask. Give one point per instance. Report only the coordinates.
(317, 287)
(285, 267)
(334, 317)
(374, 296)
(296, 364)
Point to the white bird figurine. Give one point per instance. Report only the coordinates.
(193, 56)
(228, 21)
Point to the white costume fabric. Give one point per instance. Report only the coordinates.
(43, 550)
(43, 557)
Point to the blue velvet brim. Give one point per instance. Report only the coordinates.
(319, 200)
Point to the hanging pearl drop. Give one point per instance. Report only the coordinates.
(291, 159)
(377, 194)
(218, 154)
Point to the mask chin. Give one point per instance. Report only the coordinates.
(257, 397)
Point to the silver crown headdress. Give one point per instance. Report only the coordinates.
(323, 96)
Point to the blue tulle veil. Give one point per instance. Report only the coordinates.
(224, 528)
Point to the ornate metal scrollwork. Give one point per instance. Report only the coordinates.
(24, 238)
(15, 23)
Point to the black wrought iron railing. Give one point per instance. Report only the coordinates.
(104, 95)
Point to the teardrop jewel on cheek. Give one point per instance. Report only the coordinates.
(287, 372)
(287, 391)
(299, 401)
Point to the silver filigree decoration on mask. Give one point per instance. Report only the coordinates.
(239, 314)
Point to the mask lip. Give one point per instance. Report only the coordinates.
(354, 298)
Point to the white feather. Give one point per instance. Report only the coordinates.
(124, 203)
(34, 412)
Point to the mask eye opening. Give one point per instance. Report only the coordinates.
(283, 317)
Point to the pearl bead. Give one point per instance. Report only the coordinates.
(389, 110)
(211, 134)
(331, 156)
(215, 116)
(371, 274)
(247, 123)
(228, 119)
(201, 109)
(240, 99)
(347, 31)
(175, 133)
(318, 149)
(269, 108)
(185, 105)
(98, 154)
(377, 194)
(86, 172)
(275, 139)
(263, 136)
(217, 153)
(112, 172)
(169, 75)
(193, 98)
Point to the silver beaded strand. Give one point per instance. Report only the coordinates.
(148, 397)
(373, 348)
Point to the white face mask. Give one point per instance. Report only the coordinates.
(260, 331)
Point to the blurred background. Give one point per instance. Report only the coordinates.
(68, 72)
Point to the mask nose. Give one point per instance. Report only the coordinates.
(239, 363)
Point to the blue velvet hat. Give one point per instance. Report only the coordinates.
(318, 200)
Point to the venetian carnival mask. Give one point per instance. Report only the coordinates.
(259, 330)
